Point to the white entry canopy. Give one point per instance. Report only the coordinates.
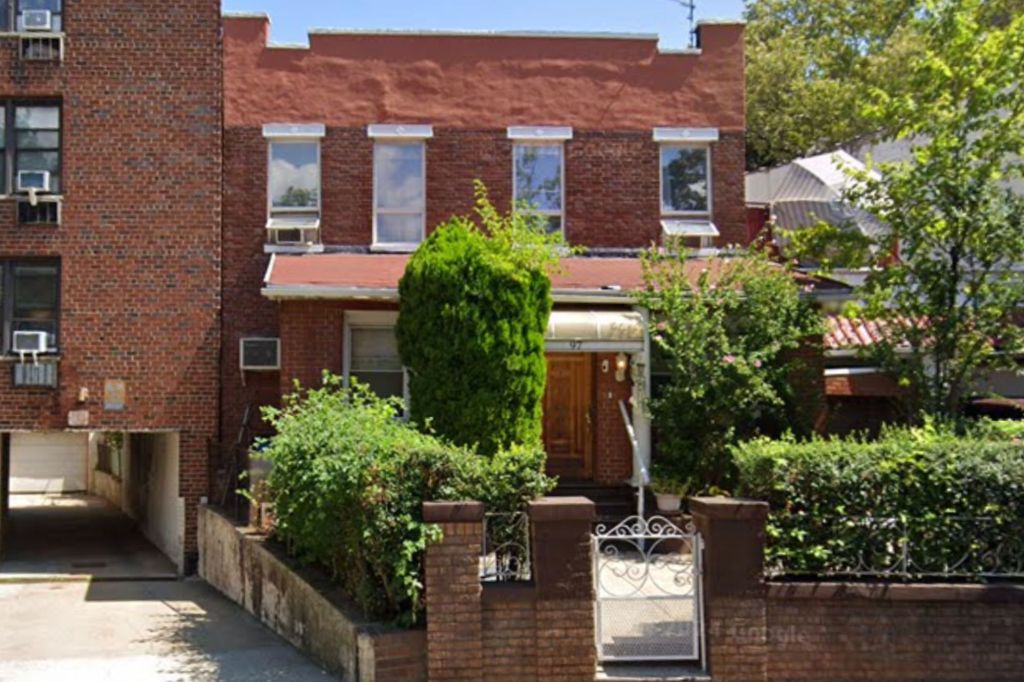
(593, 331)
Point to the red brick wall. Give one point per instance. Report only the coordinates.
(139, 245)
(613, 454)
(900, 633)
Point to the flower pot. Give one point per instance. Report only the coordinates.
(667, 502)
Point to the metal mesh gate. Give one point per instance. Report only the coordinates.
(648, 588)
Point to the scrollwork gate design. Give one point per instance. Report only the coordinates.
(647, 580)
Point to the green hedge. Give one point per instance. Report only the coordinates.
(848, 506)
(348, 482)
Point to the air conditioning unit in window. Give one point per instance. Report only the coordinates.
(33, 183)
(37, 20)
(29, 343)
(260, 354)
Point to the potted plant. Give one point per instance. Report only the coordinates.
(669, 488)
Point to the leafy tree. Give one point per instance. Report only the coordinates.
(811, 62)
(953, 292)
(475, 303)
(728, 340)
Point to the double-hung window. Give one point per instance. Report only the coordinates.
(293, 184)
(399, 185)
(371, 353)
(685, 168)
(30, 297)
(538, 172)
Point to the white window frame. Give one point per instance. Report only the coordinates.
(287, 133)
(541, 142)
(369, 319)
(670, 213)
(409, 140)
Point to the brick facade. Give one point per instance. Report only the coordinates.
(612, 92)
(139, 240)
(520, 632)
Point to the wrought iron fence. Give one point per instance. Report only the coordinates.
(962, 547)
(505, 554)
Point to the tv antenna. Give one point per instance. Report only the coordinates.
(691, 7)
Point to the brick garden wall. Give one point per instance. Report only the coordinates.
(835, 632)
(139, 243)
(520, 632)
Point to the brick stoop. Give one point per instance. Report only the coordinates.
(613, 502)
(650, 672)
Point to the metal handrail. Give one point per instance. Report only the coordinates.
(645, 478)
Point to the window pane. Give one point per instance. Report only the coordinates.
(39, 161)
(684, 179)
(52, 5)
(35, 300)
(374, 349)
(399, 229)
(399, 171)
(539, 176)
(38, 139)
(35, 291)
(37, 117)
(384, 384)
(294, 174)
(3, 127)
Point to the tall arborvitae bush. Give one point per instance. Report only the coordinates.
(475, 301)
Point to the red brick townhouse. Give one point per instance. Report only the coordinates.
(340, 157)
(110, 148)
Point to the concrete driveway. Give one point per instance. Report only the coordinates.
(138, 631)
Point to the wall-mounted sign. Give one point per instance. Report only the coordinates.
(78, 418)
(114, 391)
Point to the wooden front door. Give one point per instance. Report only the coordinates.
(568, 416)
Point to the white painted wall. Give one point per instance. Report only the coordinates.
(49, 462)
(164, 517)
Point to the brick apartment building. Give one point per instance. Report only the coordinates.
(110, 209)
(341, 156)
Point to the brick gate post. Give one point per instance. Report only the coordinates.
(563, 567)
(735, 609)
(453, 591)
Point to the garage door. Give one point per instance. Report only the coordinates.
(48, 462)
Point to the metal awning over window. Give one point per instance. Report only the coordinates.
(595, 331)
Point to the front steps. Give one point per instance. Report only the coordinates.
(614, 502)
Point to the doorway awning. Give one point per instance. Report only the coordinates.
(595, 331)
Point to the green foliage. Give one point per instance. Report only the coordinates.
(828, 246)
(665, 479)
(348, 482)
(728, 340)
(474, 308)
(811, 62)
(930, 479)
(950, 209)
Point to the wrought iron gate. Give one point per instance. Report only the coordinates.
(647, 580)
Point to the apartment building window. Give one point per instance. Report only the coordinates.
(14, 13)
(371, 353)
(293, 183)
(538, 172)
(30, 297)
(685, 172)
(30, 142)
(399, 185)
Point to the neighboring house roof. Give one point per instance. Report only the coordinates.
(810, 189)
(844, 333)
(376, 276)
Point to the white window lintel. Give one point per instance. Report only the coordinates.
(400, 131)
(302, 131)
(539, 133)
(692, 135)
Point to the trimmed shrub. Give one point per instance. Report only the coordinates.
(474, 309)
(842, 504)
(348, 482)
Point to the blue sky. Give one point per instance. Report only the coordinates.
(290, 19)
